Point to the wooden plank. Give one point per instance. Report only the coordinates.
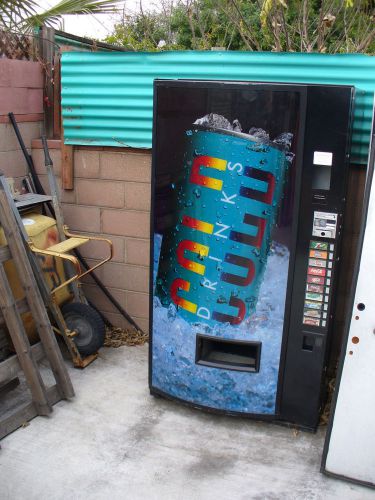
(8, 386)
(67, 166)
(4, 254)
(30, 199)
(10, 367)
(21, 344)
(57, 97)
(67, 162)
(22, 307)
(12, 226)
(14, 419)
(47, 53)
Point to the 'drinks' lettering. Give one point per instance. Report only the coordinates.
(208, 173)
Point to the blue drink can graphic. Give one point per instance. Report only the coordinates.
(213, 256)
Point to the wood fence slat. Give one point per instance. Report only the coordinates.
(22, 345)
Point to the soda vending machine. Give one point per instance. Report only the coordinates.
(249, 183)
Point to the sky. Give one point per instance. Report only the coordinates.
(98, 26)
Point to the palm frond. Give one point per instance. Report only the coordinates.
(23, 15)
(65, 7)
(12, 12)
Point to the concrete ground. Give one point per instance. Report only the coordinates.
(115, 441)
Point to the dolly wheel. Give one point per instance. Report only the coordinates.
(87, 323)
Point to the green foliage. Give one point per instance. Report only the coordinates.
(262, 25)
(321, 25)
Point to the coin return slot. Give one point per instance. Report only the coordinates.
(228, 354)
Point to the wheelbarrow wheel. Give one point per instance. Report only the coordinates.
(88, 324)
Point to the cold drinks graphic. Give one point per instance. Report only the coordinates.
(213, 258)
(211, 264)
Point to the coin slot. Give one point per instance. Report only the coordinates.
(228, 354)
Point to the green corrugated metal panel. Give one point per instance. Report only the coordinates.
(107, 97)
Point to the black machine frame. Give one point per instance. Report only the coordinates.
(285, 405)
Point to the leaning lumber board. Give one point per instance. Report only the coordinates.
(10, 367)
(22, 346)
(14, 419)
(12, 226)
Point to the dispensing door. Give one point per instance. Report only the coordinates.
(350, 444)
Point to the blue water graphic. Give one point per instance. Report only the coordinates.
(174, 343)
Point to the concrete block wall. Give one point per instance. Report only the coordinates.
(21, 92)
(21, 84)
(111, 197)
(12, 161)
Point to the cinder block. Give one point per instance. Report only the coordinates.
(63, 195)
(86, 164)
(100, 193)
(98, 250)
(142, 323)
(39, 162)
(66, 195)
(8, 138)
(87, 279)
(125, 277)
(44, 182)
(126, 223)
(13, 163)
(17, 73)
(117, 320)
(138, 196)
(97, 297)
(81, 218)
(137, 252)
(125, 166)
(21, 101)
(137, 304)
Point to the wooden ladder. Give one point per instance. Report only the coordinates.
(26, 357)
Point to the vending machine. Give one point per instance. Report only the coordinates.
(349, 451)
(249, 183)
